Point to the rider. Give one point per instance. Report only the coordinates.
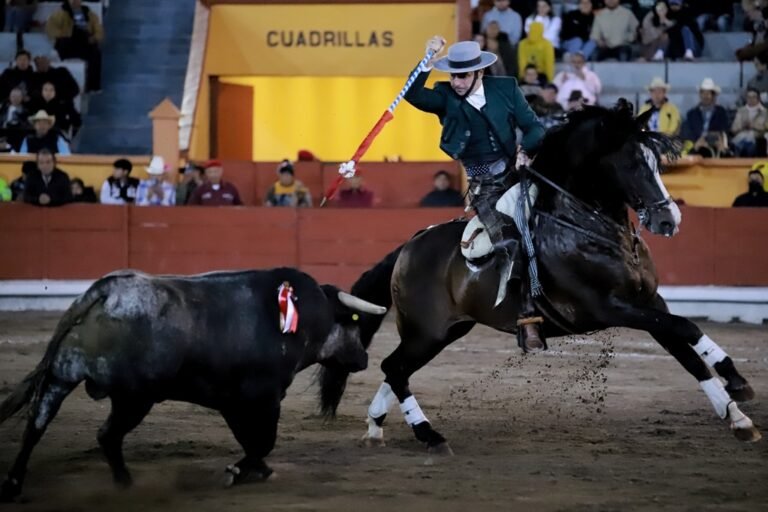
(479, 115)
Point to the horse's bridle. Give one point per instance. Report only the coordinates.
(644, 212)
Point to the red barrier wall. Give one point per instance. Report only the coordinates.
(715, 246)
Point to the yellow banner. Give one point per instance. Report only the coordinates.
(323, 40)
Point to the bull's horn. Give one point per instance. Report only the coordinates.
(361, 305)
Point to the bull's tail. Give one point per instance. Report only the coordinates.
(28, 390)
(373, 286)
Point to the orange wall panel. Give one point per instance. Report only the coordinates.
(740, 246)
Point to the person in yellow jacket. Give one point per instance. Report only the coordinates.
(666, 117)
(536, 50)
(77, 33)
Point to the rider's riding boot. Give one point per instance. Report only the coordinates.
(529, 335)
(505, 252)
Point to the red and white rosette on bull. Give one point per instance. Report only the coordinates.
(289, 316)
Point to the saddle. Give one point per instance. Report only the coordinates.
(476, 245)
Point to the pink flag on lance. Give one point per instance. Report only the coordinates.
(289, 317)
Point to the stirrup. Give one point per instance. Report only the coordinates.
(522, 338)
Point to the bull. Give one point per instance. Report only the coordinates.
(217, 340)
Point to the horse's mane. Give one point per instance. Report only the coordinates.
(594, 131)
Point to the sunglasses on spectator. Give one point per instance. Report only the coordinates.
(460, 76)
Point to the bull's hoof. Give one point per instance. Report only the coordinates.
(9, 490)
(236, 475)
(748, 435)
(441, 449)
(744, 393)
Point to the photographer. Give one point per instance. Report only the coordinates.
(759, 44)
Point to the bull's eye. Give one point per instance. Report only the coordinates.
(355, 317)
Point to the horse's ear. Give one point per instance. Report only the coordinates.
(642, 119)
(624, 105)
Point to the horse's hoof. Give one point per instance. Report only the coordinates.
(9, 491)
(743, 394)
(748, 435)
(372, 442)
(236, 475)
(442, 449)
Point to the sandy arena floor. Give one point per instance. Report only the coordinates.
(601, 423)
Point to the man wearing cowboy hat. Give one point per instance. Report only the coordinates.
(45, 136)
(665, 117)
(479, 115)
(156, 191)
(706, 124)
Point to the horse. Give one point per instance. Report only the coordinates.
(595, 270)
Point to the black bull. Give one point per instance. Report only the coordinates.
(212, 340)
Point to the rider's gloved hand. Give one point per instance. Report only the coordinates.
(435, 44)
(523, 160)
(347, 169)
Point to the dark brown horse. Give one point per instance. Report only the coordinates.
(595, 270)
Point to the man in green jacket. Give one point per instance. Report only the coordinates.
(479, 115)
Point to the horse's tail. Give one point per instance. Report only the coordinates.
(374, 287)
(29, 389)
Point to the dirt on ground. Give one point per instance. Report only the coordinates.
(606, 422)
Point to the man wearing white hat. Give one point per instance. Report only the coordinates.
(156, 191)
(480, 115)
(706, 124)
(665, 117)
(45, 136)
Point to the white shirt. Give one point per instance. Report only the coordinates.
(477, 98)
(552, 27)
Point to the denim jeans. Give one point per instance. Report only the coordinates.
(689, 41)
(17, 19)
(620, 53)
(577, 44)
(723, 22)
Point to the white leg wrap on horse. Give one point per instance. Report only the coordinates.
(739, 420)
(412, 412)
(382, 402)
(717, 395)
(709, 351)
(374, 431)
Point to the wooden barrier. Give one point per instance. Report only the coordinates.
(715, 246)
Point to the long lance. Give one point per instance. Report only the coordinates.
(387, 116)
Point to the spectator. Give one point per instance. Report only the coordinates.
(21, 75)
(531, 83)
(546, 106)
(552, 24)
(653, 32)
(13, 113)
(575, 101)
(19, 14)
(756, 196)
(157, 190)
(215, 191)
(65, 84)
(120, 188)
(758, 43)
(759, 82)
(537, 51)
(355, 194)
(578, 77)
(706, 124)
(442, 195)
(665, 117)
(77, 33)
(47, 185)
(192, 177)
(714, 14)
(498, 43)
(749, 126)
(509, 21)
(614, 31)
(45, 136)
(685, 38)
(752, 11)
(68, 119)
(5, 191)
(19, 184)
(81, 193)
(287, 190)
(577, 26)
